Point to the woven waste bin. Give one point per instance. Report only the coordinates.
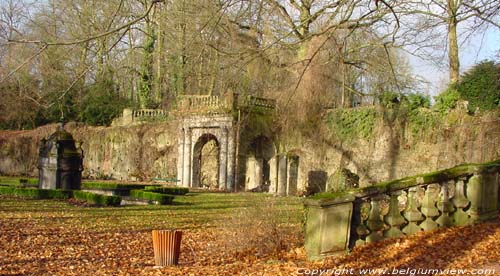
(166, 246)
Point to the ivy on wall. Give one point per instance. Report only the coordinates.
(352, 123)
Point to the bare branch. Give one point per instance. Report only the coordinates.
(94, 37)
(26, 61)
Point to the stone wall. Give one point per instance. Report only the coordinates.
(149, 150)
(393, 152)
(127, 153)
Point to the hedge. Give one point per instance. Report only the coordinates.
(16, 181)
(111, 186)
(100, 200)
(167, 190)
(161, 199)
(36, 193)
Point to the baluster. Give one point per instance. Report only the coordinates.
(429, 208)
(474, 193)
(411, 213)
(375, 222)
(394, 218)
(460, 217)
(445, 205)
(362, 230)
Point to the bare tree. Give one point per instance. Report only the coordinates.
(427, 19)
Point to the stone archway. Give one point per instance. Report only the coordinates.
(259, 153)
(192, 132)
(205, 172)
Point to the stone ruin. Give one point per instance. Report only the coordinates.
(60, 162)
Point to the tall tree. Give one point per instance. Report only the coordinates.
(427, 19)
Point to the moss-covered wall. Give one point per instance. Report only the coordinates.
(381, 144)
(129, 153)
(374, 143)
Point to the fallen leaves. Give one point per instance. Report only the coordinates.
(48, 240)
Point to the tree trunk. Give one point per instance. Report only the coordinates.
(453, 43)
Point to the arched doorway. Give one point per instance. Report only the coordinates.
(206, 152)
(258, 170)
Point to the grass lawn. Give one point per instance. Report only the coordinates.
(221, 231)
(223, 234)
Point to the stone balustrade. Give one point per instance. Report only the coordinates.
(207, 103)
(458, 196)
(133, 116)
(260, 102)
(200, 101)
(141, 114)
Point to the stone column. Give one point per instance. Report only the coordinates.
(180, 156)
(186, 175)
(273, 175)
(282, 179)
(292, 175)
(223, 158)
(250, 173)
(231, 158)
(259, 172)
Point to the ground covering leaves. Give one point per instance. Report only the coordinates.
(223, 234)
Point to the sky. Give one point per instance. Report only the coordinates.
(482, 46)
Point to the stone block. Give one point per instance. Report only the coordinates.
(328, 229)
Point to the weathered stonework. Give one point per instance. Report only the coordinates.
(147, 150)
(462, 195)
(194, 132)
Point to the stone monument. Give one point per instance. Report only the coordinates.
(60, 162)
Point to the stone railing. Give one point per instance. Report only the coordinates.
(132, 116)
(260, 102)
(203, 101)
(207, 103)
(458, 196)
(144, 114)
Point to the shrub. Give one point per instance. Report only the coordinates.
(480, 86)
(447, 100)
(35, 193)
(415, 101)
(111, 186)
(60, 194)
(167, 190)
(100, 200)
(389, 99)
(101, 103)
(352, 123)
(15, 181)
(161, 199)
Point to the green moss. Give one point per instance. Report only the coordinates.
(328, 195)
(411, 181)
(352, 123)
(422, 121)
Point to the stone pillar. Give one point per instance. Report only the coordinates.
(223, 160)
(292, 174)
(282, 179)
(273, 175)
(180, 156)
(250, 173)
(259, 172)
(186, 175)
(482, 191)
(231, 158)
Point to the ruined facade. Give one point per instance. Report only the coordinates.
(247, 158)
